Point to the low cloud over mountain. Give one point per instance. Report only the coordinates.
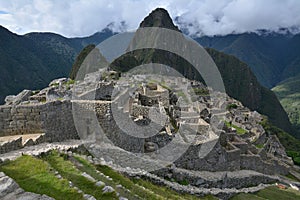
(209, 17)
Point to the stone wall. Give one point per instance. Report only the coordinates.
(56, 120)
(218, 159)
(10, 145)
(162, 96)
(138, 110)
(19, 120)
(254, 162)
(103, 91)
(53, 118)
(18, 143)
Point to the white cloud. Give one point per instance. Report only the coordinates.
(84, 17)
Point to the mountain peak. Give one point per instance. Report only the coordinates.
(159, 18)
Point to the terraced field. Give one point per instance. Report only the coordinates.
(65, 177)
(71, 176)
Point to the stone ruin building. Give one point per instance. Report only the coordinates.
(34, 117)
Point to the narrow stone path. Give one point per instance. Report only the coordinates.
(41, 148)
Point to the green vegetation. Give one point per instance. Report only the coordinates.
(55, 84)
(79, 60)
(183, 95)
(239, 130)
(172, 120)
(270, 193)
(241, 84)
(152, 191)
(201, 91)
(184, 182)
(70, 82)
(68, 171)
(35, 175)
(288, 93)
(260, 146)
(295, 155)
(38, 175)
(231, 106)
(168, 193)
(292, 177)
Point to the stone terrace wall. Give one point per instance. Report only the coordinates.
(10, 145)
(216, 160)
(53, 118)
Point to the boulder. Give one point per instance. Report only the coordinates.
(54, 93)
(108, 189)
(100, 184)
(150, 146)
(88, 197)
(15, 100)
(88, 176)
(59, 81)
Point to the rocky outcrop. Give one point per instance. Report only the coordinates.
(159, 18)
(22, 96)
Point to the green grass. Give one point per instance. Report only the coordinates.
(70, 82)
(90, 169)
(292, 177)
(38, 175)
(168, 193)
(246, 196)
(239, 130)
(201, 91)
(276, 193)
(231, 106)
(133, 184)
(260, 146)
(272, 193)
(70, 172)
(160, 191)
(35, 175)
(127, 183)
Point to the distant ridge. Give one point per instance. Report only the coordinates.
(33, 60)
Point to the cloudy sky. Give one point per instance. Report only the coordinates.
(84, 17)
